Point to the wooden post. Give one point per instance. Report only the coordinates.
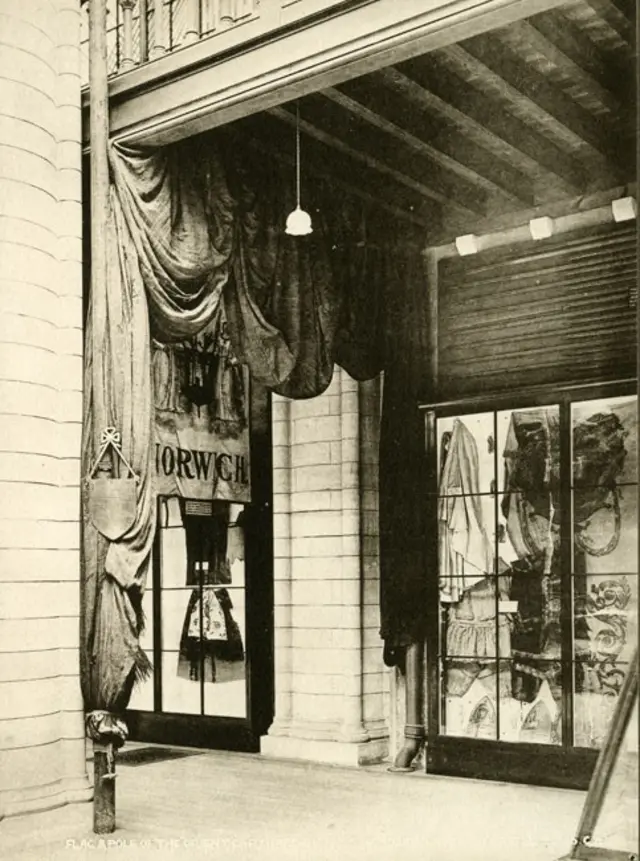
(104, 808)
(104, 788)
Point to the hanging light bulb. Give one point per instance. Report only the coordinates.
(299, 221)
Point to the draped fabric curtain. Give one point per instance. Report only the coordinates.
(402, 460)
(196, 229)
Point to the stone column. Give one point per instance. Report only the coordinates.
(320, 615)
(42, 749)
(376, 678)
(282, 562)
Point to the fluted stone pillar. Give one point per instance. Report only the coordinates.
(42, 749)
(330, 684)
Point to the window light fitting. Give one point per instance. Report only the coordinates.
(467, 244)
(624, 209)
(541, 228)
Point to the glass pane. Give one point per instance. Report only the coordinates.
(224, 648)
(472, 625)
(235, 544)
(597, 688)
(467, 540)
(617, 824)
(605, 442)
(530, 710)
(529, 452)
(142, 694)
(529, 514)
(535, 596)
(528, 532)
(605, 529)
(180, 683)
(466, 459)
(178, 616)
(146, 635)
(605, 618)
(605, 635)
(174, 557)
(469, 697)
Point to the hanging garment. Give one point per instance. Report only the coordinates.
(192, 654)
(474, 629)
(531, 461)
(219, 651)
(235, 543)
(599, 456)
(466, 555)
(206, 539)
(536, 633)
(228, 408)
(228, 654)
(210, 614)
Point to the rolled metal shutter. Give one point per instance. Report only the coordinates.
(552, 312)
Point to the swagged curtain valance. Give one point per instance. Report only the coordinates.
(197, 227)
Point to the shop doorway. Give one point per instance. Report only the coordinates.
(209, 615)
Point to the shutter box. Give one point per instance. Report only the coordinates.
(557, 311)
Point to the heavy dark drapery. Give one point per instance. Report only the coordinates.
(196, 229)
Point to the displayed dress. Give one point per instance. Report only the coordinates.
(474, 635)
(211, 638)
(530, 506)
(465, 551)
(219, 650)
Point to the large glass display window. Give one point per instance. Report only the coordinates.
(537, 547)
(201, 626)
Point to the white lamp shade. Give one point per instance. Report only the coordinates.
(541, 228)
(624, 209)
(467, 244)
(298, 223)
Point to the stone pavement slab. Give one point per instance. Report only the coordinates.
(242, 806)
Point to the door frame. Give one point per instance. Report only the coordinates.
(564, 765)
(230, 733)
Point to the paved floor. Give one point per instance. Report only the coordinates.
(240, 806)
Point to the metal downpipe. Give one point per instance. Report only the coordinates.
(414, 696)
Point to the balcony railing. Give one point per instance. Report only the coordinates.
(140, 31)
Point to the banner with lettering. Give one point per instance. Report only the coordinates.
(201, 419)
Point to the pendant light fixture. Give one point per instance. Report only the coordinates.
(299, 221)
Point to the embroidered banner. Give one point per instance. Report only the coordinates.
(201, 419)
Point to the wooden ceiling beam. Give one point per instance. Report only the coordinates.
(619, 15)
(382, 154)
(486, 57)
(628, 8)
(323, 162)
(449, 94)
(566, 47)
(368, 98)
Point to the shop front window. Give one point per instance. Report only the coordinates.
(604, 560)
(200, 611)
(537, 550)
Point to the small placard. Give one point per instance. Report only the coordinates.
(507, 606)
(198, 508)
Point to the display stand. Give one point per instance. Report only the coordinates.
(608, 829)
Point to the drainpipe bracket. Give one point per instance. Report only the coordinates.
(414, 731)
